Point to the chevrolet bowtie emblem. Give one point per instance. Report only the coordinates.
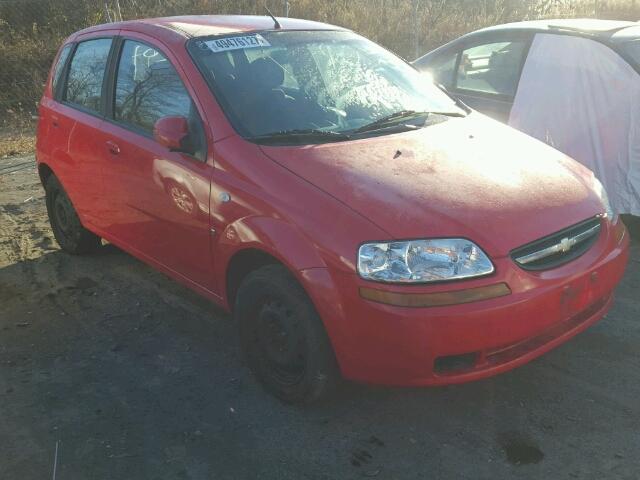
(563, 246)
(566, 244)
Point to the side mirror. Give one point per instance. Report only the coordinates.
(173, 133)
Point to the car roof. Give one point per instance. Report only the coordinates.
(626, 34)
(203, 25)
(613, 31)
(587, 26)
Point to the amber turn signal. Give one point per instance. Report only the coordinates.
(436, 299)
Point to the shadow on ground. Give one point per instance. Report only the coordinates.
(137, 377)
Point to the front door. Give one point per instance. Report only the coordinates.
(160, 198)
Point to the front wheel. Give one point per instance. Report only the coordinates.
(283, 338)
(66, 226)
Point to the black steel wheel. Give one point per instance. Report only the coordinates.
(283, 337)
(69, 232)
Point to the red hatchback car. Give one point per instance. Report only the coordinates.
(354, 218)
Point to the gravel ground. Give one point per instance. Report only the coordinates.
(132, 376)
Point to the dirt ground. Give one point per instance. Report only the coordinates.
(17, 135)
(132, 376)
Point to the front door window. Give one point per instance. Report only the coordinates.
(492, 69)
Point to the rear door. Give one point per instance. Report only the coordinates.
(159, 198)
(74, 119)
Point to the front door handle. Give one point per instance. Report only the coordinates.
(54, 121)
(113, 147)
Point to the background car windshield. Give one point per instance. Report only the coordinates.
(327, 80)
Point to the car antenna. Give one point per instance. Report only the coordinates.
(276, 24)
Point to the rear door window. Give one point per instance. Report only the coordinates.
(86, 74)
(493, 68)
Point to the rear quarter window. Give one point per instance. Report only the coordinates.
(86, 73)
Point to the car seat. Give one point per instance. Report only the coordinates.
(265, 104)
(503, 71)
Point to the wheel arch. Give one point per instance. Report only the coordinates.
(317, 283)
(242, 263)
(253, 242)
(44, 172)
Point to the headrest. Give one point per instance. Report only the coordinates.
(266, 73)
(223, 65)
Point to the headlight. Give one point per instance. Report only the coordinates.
(422, 261)
(604, 198)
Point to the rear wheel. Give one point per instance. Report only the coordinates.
(66, 226)
(283, 338)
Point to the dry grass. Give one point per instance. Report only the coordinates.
(17, 133)
(16, 143)
(32, 30)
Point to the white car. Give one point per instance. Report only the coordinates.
(574, 84)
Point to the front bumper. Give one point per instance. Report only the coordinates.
(377, 343)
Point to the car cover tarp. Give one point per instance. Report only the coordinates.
(581, 97)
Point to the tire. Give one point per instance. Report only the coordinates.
(283, 338)
(69, 232)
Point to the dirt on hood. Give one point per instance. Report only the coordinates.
(467, 177)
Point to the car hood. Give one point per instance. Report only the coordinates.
(465, 177)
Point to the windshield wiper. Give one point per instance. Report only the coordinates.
(383, 121)
(449, 114)
(401, 115)
(310, 135)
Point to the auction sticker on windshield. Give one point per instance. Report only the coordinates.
(237, 43)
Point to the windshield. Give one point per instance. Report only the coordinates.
(325, 82)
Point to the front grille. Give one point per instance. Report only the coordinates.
(558, 248)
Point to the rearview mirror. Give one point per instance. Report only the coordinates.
(173, 133)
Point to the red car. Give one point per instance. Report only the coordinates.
(354, 218)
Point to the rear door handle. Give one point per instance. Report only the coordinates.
(54, 121)
(113, 147)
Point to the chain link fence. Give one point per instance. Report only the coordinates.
(32, 30)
